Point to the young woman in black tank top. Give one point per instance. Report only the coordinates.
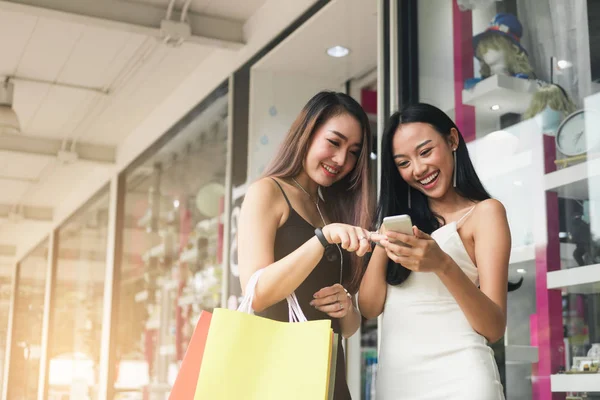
(304, 221)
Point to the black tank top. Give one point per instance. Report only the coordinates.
(291, 235)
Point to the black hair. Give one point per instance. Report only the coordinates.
(394, 194)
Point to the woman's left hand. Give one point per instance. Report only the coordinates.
(419, 253)
(334, 300)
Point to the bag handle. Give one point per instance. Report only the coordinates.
(294, 311)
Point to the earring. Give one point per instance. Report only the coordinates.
(408, 196)
(454, 173)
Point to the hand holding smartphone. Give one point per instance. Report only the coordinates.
(398, 223)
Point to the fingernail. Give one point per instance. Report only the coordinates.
(312, 303)
(315, 295)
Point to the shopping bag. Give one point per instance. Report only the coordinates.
(333, 365)
(254, 358)
(187, 377)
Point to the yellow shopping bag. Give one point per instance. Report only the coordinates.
(253, 358)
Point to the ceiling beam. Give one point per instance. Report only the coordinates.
(134, 17)
(51, 147)
(27, 212)
(7, 250)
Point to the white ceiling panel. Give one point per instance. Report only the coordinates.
(15, 31)
(63, 180)
(348, 23)
(96, 55)
(12, 191)
(230, 9)
(21, 166)
(151, 85)
(28, 98)
(49, 49)
(238, 10)
(62, 107)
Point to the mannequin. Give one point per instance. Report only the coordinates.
(549, 106)
(499, 50)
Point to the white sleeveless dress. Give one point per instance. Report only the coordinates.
(429, 351)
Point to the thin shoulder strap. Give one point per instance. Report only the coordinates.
(465, 216)
(283, 192)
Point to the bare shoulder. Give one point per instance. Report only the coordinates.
(264, 188)
(490, 212)
(265, 198)
(490, 208)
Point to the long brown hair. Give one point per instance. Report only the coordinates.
(349, 200)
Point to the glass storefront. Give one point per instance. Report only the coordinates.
(6, 279)
(77, 302)
(171, 267)
(27, 324)
(336, 49)
(520, 79)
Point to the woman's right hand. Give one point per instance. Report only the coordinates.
(351, 238)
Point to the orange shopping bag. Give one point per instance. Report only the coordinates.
(187, 377)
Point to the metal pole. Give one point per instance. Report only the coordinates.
(9, 331)
(225, 258)
(47, 320)
(104, 383)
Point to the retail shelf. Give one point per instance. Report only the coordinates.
(510, 93)
(575, 383)
(154, 252)
(573, 182)
(521, 354)
(189, 256)
(576, 280)
(515, 162)
(522, 254)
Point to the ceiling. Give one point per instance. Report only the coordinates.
(97, 81)
(349, 23)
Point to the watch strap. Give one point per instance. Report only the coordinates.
(319, 234)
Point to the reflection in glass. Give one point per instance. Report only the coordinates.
(27, 328)
(74, 347)
(6, 273)
(171, 266)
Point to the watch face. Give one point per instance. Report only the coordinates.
(571, 136)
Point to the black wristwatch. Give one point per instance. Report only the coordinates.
(319, 234)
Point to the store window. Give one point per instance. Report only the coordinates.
(27, 324)
(171, 267)
(520, 78)
(77, 302)
(336, 49)
(6, 278)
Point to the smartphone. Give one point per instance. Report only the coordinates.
(398, 223)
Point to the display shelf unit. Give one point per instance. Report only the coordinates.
(582, 280)
(516, 354)
(513, 163)
(522, 254)
(575, 382)
(512, 95)
(573, 182)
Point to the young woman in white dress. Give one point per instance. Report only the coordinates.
(443, 297)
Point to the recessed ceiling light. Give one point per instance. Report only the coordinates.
(338, 51)
(176, 203)
(564, 64)
(521, 271)
(495, 107)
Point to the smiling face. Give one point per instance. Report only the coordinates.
(424, 158)
(334, 150)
